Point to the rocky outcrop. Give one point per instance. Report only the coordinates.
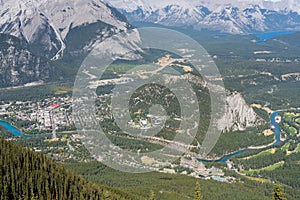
(239, 115)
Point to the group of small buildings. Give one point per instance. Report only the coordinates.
(43, 115)
(197, 169)
(146, 123)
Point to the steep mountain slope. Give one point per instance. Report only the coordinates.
(46, 24)
(237, 17)
(238, 115)
(19, 66)
(35, 33)
(28, 175)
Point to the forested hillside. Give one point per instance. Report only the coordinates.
(28, 175)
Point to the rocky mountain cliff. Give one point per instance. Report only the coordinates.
(237, 17)
(34, 33)
(19, 66)
(239, 115)
(45, 24)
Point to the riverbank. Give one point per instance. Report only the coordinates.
(277, 140)
(10, 128)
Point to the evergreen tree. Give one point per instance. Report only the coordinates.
(30, 176)
(152, 195)
(278, 193)
(197, 195)
(33, 197)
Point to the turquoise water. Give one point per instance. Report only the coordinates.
(18, 133)
(12, 129)
(277, 142)
(224, 158)
(263, 37)
(276, 127)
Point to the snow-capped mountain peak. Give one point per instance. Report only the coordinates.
(231, 16)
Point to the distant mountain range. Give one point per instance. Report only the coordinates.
(236, 17)
(35, 33)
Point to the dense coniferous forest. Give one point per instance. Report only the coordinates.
(28, 175)
(171, 186)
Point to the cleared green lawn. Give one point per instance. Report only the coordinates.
(286, 146)
(269, 168)
(298, 149)
(291, 130)
(263, 153)
(289, 116)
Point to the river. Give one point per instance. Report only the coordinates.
(275, 126)
(223, 159)
(10, 128)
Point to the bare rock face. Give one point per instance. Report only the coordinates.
(19, 66)
(34, 33)
(45, 24)
(239, 115)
